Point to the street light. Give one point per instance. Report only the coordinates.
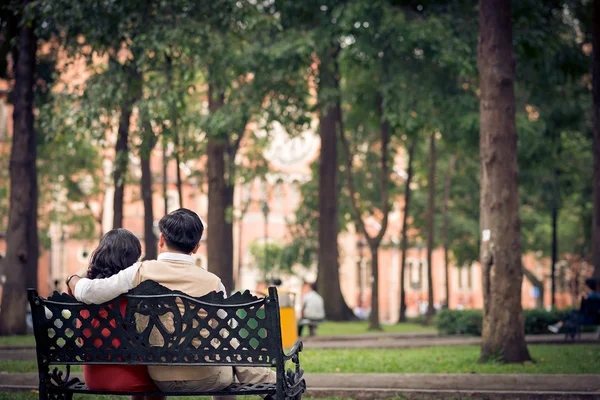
(265, 210)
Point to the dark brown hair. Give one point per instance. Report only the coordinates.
(118, 249)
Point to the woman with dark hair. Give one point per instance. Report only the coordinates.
(118, 249)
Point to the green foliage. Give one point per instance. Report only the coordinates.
(272, 259)
(469, 322)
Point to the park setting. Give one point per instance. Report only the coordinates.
(279, 199)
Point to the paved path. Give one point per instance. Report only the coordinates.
(422, 386)
(402, 341)
(367, 341)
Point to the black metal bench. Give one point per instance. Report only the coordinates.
(242, 330)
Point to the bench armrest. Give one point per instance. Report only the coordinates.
(294, 351)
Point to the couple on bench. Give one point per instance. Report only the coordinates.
(114, 269)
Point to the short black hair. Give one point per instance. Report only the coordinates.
(314, 286)
(182, 230)
(591, 283)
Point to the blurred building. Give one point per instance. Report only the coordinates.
(290, 160)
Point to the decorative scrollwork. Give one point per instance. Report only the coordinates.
(57, 380)
(294, 383)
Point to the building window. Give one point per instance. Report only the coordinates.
(415, 269)
(464, 277)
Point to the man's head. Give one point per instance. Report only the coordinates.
(313, 286)
(180, 231)
(591, 284)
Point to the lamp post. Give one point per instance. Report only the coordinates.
(265, 210)
(360, 245)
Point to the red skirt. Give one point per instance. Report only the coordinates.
(126, 378)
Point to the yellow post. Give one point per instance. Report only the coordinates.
(289, 326)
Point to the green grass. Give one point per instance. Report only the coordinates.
(21, 340)
(360, 327)
(550, 359)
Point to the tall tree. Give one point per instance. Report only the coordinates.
(596, 140)
(149, 140)
(447, 189)
(431, 225)
(330, 130)
(132, 95)
(373, 241)
(22, 235)
(503, 323)
(404, 240)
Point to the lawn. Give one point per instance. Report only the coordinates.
(21, 340)
(550, 359)
(360, 327)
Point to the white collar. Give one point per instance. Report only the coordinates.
(176, 257)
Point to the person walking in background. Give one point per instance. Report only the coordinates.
(313, 311)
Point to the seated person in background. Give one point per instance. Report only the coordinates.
(118, 249)
(581, 317)
(180, 234)
(313, 311)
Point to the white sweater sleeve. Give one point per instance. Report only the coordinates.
(98, 291)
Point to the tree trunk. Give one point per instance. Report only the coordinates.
(21, 235)
(178, 172)
(596, 140)
(122, 146)
(447, 188)
(538, 284)
(121, 161)
(411, 152)
(554, 252)
(227, 273)
(503, 324)
(430, 227)
(218, 240)
(165, 165)
(328, 278)
(374, 315)
(174, 131)
(150, 241)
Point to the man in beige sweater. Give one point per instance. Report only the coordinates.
(180, 234)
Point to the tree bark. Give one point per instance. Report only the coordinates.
(218, 240)
(447, 189)
(374, 241)
(328, 278)
(503, 325)
(148, 143)
(554, 253)
(122, 146)
(596, 140)
(21, 236)
(430, 227)
(227, 277)
(165, 165)
(537, 283)
(175, 132)
(410, 172)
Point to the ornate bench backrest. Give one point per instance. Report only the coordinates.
(152, 325)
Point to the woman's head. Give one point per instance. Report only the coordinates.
(118, 249)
